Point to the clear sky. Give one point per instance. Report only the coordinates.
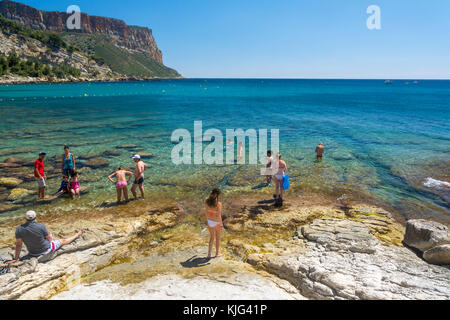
(288, 38)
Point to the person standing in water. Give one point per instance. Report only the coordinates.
(240, 150)
(39, 174)
(138, 176)
(279, 176)
(121, 183)
(68, 162)
(320, 149)
(213, 212)
(269, 166)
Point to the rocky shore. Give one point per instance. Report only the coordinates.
(15, 79)
(301, 251)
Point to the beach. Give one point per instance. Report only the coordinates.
(386, 150)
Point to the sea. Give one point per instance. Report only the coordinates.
(385, 143)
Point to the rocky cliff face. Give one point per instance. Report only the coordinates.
(132, 38)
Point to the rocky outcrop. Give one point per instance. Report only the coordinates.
(340, 259)
(431, 238)
(423, 234)
(133, 38)
(98, 247)
(438, 255)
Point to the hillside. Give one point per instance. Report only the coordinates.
(104, 49)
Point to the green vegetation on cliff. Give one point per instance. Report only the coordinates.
(97, 47)
(32, 68)
(120, 60)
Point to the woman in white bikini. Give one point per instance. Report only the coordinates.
(279, 176)
(121, 183)
(213, 212)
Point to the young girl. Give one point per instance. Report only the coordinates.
(213, 212)
(73, 185)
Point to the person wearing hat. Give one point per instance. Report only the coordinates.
(138, 176)
(40, 176)
(37, 239)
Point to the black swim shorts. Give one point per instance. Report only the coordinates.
(139, 181)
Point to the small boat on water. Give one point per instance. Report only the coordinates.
(388, 82)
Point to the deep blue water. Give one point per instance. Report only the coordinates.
(382, 141)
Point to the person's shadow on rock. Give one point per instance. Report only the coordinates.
(195, 262)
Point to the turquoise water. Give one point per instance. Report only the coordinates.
(382, 141)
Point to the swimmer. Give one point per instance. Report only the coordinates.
(320, 149)
(121, 183)
(213, 212)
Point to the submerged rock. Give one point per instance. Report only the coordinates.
(111, 153)
(127, 146)
(10, 182)
(96, 163)
(146, 155)
(423, 234)
(89, 156)
(341, 156)
(9, 165)
(15, 160)
(19, 194)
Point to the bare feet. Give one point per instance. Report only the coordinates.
(219, 255)
(79, 233)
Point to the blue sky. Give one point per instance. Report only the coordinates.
(288, 38)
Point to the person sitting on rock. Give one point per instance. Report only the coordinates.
(74, 185)
(37, 239)
(64, 188)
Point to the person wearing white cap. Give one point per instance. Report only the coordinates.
(138, 176)
(37, 239)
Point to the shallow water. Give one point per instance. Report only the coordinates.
(383, 142)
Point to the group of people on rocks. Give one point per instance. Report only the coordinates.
(39, 241)
(70, 184)
(275, 169)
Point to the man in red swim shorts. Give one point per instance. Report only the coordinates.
(320, 149)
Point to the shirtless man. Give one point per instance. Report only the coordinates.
(320, 149)
(121, 183)
(269, 165)
(138, 176)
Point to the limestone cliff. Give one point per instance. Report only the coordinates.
(136, 44)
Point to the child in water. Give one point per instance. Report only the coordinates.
(64, 188)
(74, 185)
